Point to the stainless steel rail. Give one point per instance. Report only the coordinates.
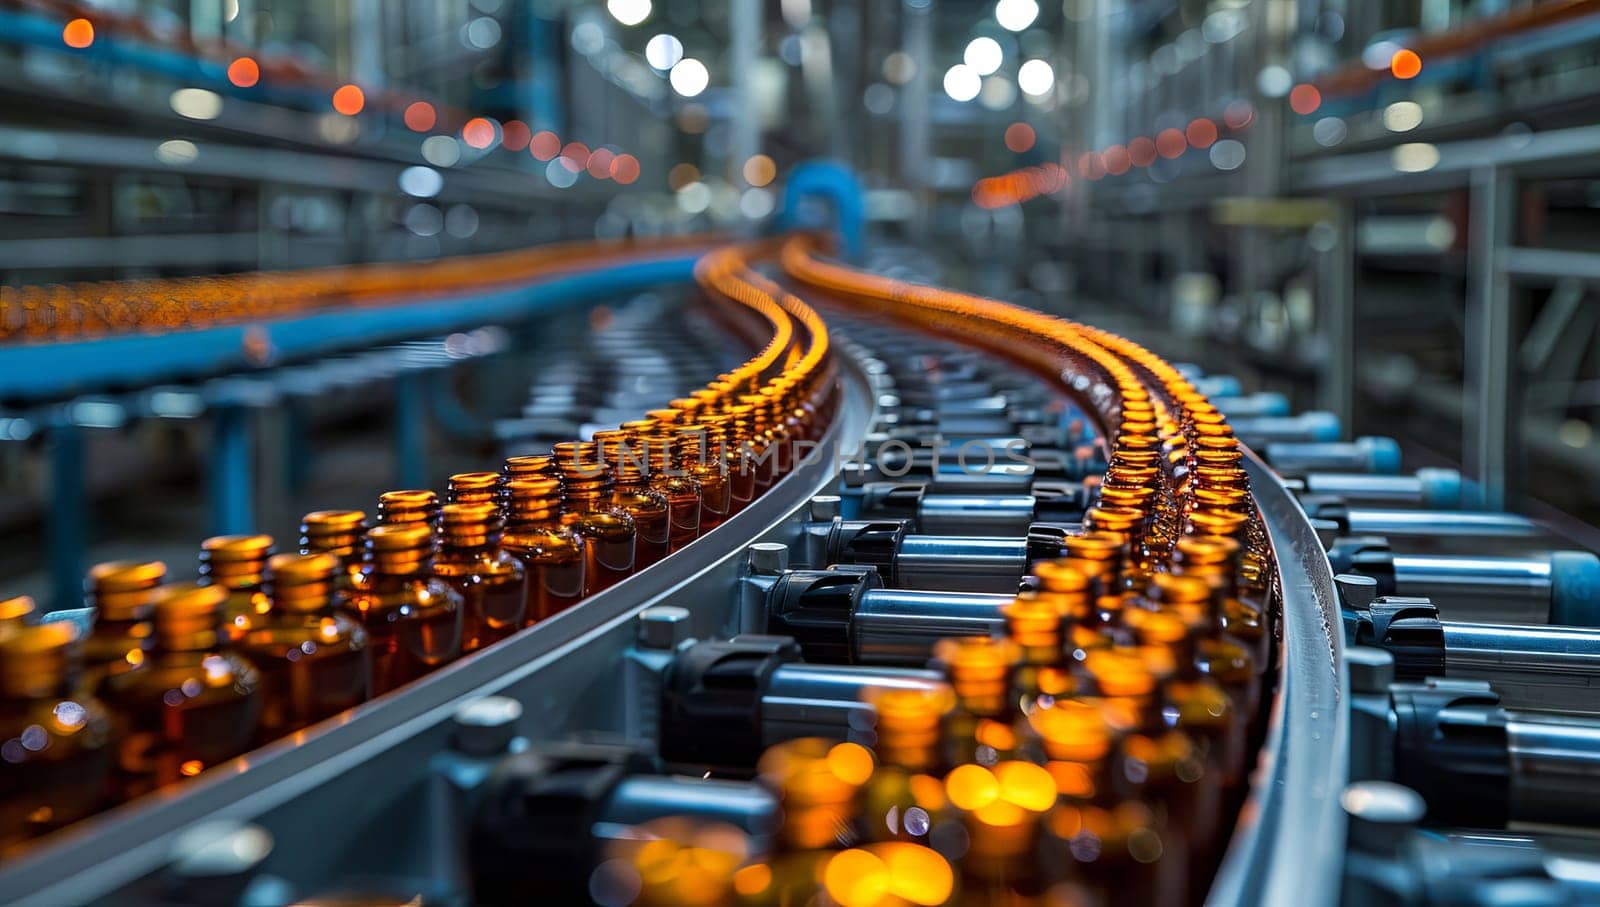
(1287, 845)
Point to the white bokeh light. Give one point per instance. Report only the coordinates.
(629, 12)
(689, 77)
(984, 55)
(663, 52)
(962, 82)
(1036, 78)
(1016, 15)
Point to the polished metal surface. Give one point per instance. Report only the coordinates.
(900, 626)
(961, 563)
(807, 700)
(958, 514)
(1545, 667)
(1465, 587)
(1279, 853)
(1555, 768)
(1396, 523)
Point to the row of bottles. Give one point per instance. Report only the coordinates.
(174, 678)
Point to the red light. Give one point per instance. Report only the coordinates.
(244, 72)
(78, 33)
(625, 169)
(545, 145)
(1305, 99)
(349, 100)
(420, 116)
(1019, 137)
(1142, 151)
(600, 163)
(478, 133)
(1202, 133)
(1170, 143)
(1238, 115)
(576, 154)
(1117, 160)
(515, 135)
(1405, 64)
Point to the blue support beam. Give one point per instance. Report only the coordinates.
(67, 526)
(232, 473)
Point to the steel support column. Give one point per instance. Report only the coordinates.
(1490, 346)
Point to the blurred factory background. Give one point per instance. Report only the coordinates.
(1383, 209)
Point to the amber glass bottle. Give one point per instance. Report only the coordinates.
(903, 800)
(196, 705)
(474, 488)
(340, 533)
(493, 584)
(412, 618)
(409, 507)
(237, 563)
(980, 670)
(123, 594)
(673, 483)
(551, 552)
(17, 612)
(699, 457)
(57, 743)
(586, 505)
(314, 660)
(651, 514)
(740, 451)
(532, 466)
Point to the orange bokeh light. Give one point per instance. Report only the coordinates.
(1117, 160)
(1020, 137)
(1405, 64)
(244, 72)
(1305, 99)
(1142, 151)
(420, 116)
(575, 155)
(78, 33)
(1170, 143)
(478, 133)
(349, 100)
(1202, 133)
(515, 135)
(544, 145)
(625, 169)
(600, 163)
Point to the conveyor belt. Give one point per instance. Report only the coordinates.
(689, 690)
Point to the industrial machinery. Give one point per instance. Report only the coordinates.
(932, 599)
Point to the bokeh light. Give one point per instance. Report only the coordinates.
(78, 33)
(244, 72)
(1020, 137)
(1405, 64)
(349, 100)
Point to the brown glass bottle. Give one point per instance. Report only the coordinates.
(493, 584)
(739, 450)
(586, 505)
(314, 660)
(409, 507)
(340, 533)
(237, 563)
(651, 515)
(123, 595)
(198, 702)
(904, 789)
(413, 619)
(979, 670)
(55, 740)
(551, 552)
(699, 459)
(532, 466)
(474, 488)
(17, 612)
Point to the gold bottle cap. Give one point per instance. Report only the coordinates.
(1115, 519)
(1198, 550)
(189, 617)
(16, 612)
(124, 590)
(303, 583)
(35, 661)
(235, 561)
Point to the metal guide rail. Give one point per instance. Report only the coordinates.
(899, 677)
